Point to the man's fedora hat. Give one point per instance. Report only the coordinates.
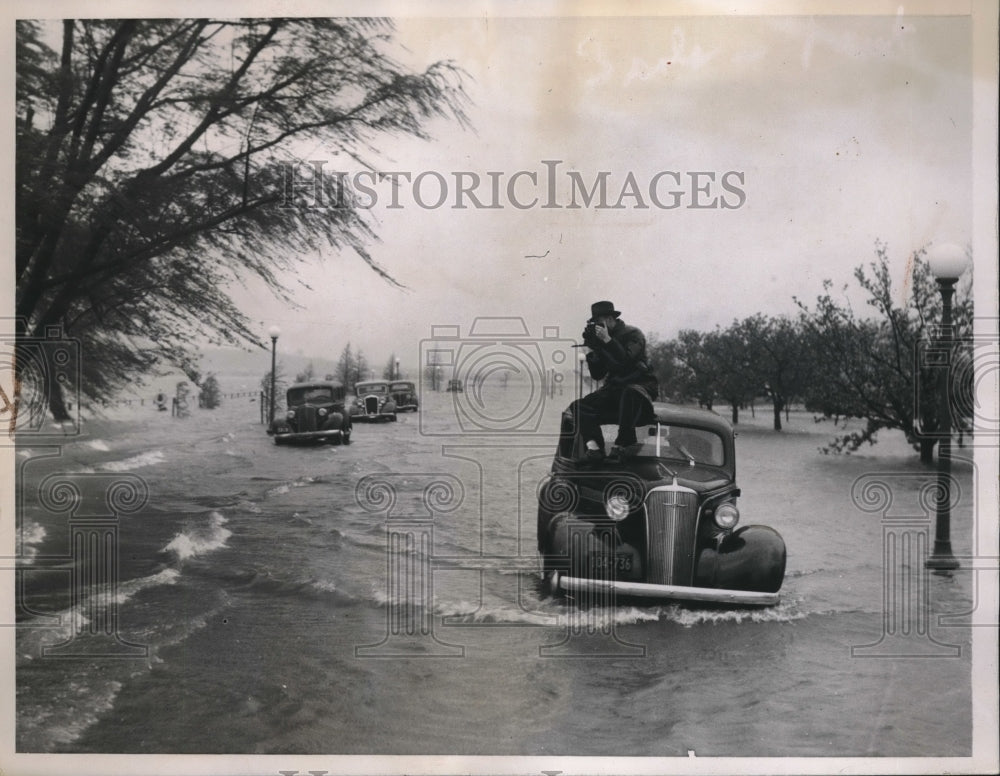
(597, 309)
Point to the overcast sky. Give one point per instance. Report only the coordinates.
(830, 132)
(804, 138)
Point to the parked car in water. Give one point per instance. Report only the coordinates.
(404, 393)
(373, 401)
(661, 523)
(315, 412)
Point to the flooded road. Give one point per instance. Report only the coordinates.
(254, 613)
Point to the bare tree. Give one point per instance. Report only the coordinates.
(871, 367)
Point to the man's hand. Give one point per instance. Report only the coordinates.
(602, 333)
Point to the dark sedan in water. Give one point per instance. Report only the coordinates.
(660, 523)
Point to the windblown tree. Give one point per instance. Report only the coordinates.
(872, 368)
(152, 171)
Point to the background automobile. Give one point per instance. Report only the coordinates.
(373, 401)
(315, 412)
(404, 393)
(661, 524)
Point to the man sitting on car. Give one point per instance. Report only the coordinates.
(617, 355)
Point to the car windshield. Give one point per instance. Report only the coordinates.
(402, 386)
(678, 443)
(316, 394)
(371, 388)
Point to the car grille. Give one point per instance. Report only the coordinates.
(671, 520)
(371, 405)
(306, 419)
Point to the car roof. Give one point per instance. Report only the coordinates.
(674, 414)
(317, 384)
(371, 382)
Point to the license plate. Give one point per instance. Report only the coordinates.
(605, 562)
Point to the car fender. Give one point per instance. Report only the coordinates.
(751, 558)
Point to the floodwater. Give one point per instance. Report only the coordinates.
(258, 609)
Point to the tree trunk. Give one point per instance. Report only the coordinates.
(778, 406)
(57, 402)
(736, 414)
(927, 450)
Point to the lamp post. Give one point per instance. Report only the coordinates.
(947, 262)
(397, 370)
(273, 333)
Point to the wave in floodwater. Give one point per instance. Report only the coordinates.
(32, 534)
(65, 720)
(550, 612)
(200, 538)
(33, 637)
(140, 461)
(129, 588)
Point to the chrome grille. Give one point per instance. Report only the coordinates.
(371, 405)
(671, 521)
(305, 418)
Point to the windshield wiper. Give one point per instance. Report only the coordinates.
(685, 452)
(670, 472)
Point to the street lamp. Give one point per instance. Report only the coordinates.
(273, 333)
(397, 370)
(947, 262)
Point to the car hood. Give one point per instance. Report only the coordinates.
(646, 473)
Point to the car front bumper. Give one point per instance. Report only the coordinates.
(676, 592)
(305, 436)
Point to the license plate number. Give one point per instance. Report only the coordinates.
(603, 563)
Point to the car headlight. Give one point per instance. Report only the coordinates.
(322, 412)
(616, 507)
(290, 414)
(727, 515)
